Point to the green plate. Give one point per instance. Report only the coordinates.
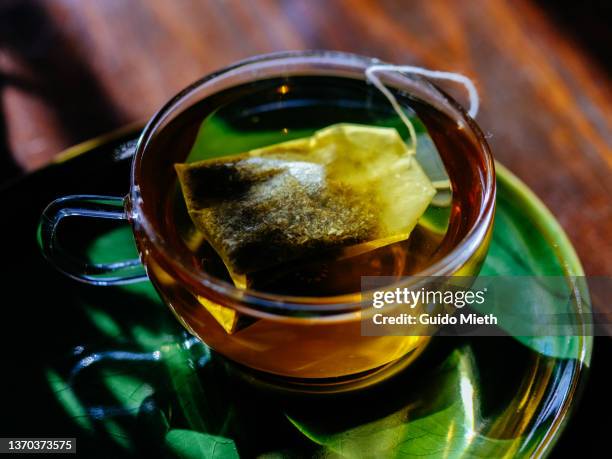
(111, 366)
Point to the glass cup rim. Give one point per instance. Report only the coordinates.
(262, 303)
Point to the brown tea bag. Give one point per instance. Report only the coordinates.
(342, 192)
(348, 189)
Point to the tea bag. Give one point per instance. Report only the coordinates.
(345, 190)
(444, 196)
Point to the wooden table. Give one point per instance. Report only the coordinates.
(73, 69)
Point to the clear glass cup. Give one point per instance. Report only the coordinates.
(307, 343)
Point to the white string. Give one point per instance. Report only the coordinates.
(456, 77)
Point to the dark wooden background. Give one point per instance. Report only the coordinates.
(73, 69)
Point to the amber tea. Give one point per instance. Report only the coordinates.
(268, 188)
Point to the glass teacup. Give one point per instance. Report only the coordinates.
(302, 341)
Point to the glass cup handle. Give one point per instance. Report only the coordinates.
(89, 206)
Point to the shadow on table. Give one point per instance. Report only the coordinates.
(44, 62)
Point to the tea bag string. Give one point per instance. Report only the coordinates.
(435, 74)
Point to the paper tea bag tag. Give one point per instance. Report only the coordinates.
(344, 186)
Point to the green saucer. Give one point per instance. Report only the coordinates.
(112, 367)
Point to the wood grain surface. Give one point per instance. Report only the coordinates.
(73, 69)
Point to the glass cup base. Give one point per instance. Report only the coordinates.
(281, 384)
